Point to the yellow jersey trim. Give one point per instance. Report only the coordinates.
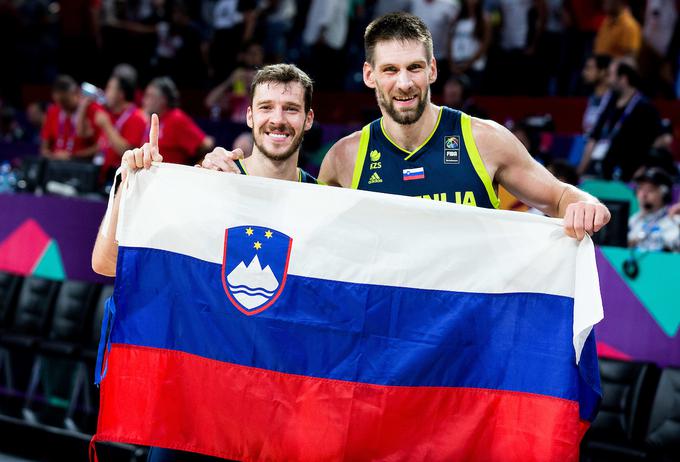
(411, 153)
(361, 155)
(476, 159)
(243, 166)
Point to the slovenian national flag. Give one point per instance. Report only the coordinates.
(256, 319)
(414, 173)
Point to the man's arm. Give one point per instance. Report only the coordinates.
(510, 164)
(105, 252)
(116, 140)
(337, 168)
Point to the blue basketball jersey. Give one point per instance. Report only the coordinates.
(446, 167)
(303, 177)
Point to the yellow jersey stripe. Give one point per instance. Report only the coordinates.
(475, 158)
(411, 153)
(361, 155)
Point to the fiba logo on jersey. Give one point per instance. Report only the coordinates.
(451, 142)
(451, 150)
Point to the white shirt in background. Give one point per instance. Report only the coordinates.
(331, 16)
(438, 16)
(515, 26)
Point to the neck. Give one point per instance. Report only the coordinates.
(626, 96)
(601, 89)
(411, 136)
(260, 165)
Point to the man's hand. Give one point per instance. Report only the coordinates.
(585, 217)
(142, 157)
(222, 160)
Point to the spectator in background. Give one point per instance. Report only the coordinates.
(595, 75)
(620, 34)
(122, 123)
(179, 139)
(80, 37)
(234, 24)
(468, 41)
(652, 227)
(625, 130)
(58, 134)
(278, 21)
(457, 94)
(231, 98)
(324, 36)
(438, 16)
(656, 65)
(178, 50)
(522, 25)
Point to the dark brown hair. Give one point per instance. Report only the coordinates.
(396, 26)
(284, 73)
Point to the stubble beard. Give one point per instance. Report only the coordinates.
(401, 118)
(295, 145)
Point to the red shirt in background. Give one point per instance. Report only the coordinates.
(588, 15)
(131, 124)
(59, 129)
(179, 137)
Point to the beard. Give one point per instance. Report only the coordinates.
(403, 118)
(279, 157)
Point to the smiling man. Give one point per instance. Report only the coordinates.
(419, 149)
(279, 114)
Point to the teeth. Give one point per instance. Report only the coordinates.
(278, 135)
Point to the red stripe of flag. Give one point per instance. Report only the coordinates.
(182, 401)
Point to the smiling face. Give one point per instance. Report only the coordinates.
(278, 119)
(401, 75)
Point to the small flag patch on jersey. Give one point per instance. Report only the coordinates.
(414, 173)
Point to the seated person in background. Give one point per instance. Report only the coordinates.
(179, 139)
(232, 97)
(59, 139)
(122, 123)
(652, 227)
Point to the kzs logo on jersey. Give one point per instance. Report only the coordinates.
(451, 150)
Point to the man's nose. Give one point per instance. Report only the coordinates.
(404, 81)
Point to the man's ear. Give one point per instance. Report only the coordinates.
(433, 70)
(309, 119)
(369, 79)
(249, 117)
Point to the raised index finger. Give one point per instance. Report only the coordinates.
(153, 132)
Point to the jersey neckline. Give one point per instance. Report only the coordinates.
(410, 154)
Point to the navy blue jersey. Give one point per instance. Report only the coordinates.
(446, 167)
(303, 177)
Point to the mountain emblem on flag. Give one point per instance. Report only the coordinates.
(254, 266)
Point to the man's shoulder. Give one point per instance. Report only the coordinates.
(346, 147)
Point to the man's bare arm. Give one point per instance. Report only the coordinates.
(337, 168)
(105, 252)
(512, 166)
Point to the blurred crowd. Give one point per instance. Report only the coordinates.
(200, 42)
(621, 55)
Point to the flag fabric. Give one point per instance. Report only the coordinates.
(256, 319)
